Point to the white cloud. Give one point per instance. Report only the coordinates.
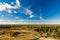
(40, 15)
(17, 17)
(7, 7)
(12, 3)
(41, 18)
(2, 8)
(18, 3)
(14, 11)
(31, 16)
(28, 12)
(9, 11)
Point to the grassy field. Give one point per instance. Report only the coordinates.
(30, 32)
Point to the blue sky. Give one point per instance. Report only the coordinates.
(30, 11)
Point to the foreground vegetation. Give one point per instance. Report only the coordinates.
(29, 32)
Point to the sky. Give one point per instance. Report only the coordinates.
(29, 11)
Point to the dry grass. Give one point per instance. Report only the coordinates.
(27, 32)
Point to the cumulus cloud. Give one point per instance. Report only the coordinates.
(7, 7)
